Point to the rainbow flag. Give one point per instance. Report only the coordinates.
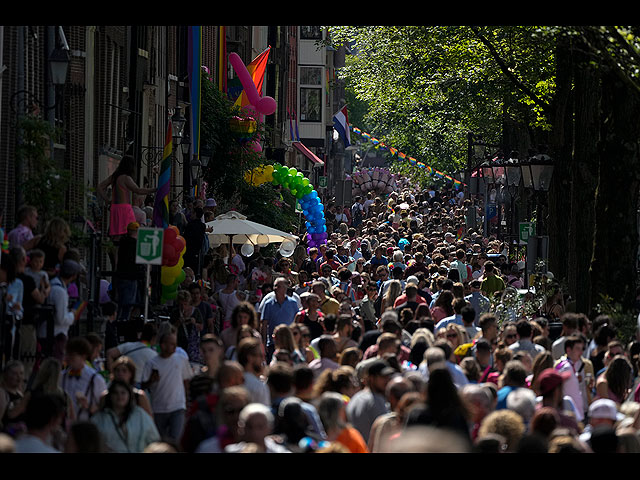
(79, 307)
(161, 203)
(459, 233)
(256, 69)
(195, 78)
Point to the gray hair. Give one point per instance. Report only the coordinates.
(256, 409)
(329, 408)
(477, 394)
(523, 402)
(434, 355)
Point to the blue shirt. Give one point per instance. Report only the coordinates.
(457, 319)
(276, 313)
(503, 393)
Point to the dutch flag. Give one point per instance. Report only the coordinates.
(341, 124)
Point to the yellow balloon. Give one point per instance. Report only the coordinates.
(168, 274)
(165, 276)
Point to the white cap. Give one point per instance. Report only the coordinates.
(605, 408)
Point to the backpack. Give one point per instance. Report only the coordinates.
(201, 423)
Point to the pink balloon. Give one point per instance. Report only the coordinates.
(265, 105)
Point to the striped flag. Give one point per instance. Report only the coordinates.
(341, 124)
(195, 88)
(161, 203)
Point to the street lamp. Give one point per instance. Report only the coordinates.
(178, 121)
(59, 65)
(487, 172)
(195, 165)
(541, 172)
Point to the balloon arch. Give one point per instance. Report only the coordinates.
(300, 187)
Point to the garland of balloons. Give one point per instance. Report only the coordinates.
(171, 272)
(379, 180)
(300, 187)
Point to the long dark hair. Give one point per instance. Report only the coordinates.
(131, 404)
(442, 395)
(619, 374)
(125, 167)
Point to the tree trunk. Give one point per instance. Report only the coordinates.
(584, 178)
(613, 267)
(559, 197)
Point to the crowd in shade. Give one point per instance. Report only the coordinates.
(399, 334)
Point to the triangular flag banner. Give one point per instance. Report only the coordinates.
(401, 155)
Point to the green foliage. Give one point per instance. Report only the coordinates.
(427, 86)
(625, 321)
(231, 158)
(45, 185)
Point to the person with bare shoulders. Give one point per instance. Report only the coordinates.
(123, 187)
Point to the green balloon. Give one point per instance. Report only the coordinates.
(305, 182)
(294, 192)
(293, 171)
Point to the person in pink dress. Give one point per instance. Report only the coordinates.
(123, 187)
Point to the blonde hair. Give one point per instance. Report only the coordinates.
(283, 338)
(57, 232)
(47, 378)
(392, 293)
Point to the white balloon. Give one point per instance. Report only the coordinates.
(262, 240)
(287, 248)
(247, 249)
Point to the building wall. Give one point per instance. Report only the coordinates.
(101, 92)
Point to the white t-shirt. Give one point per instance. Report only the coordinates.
(88, 383)
(168, 395)
(139, 353)
(258, 390)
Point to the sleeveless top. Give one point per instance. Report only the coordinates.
(122, 189)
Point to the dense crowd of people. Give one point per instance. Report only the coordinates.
(388, 338)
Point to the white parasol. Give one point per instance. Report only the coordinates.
(234, 228)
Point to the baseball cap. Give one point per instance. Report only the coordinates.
(550, 379)
(69, 268)
(133, 226)
(605, 408)
(380, 368)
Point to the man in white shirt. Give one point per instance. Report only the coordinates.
(251, 357)
(59, 298)
(139, 352)
(82, 383)
(167, 376)
(572, 363)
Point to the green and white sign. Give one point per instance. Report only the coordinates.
(149, 246)
(322, 182)
(527, 230)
